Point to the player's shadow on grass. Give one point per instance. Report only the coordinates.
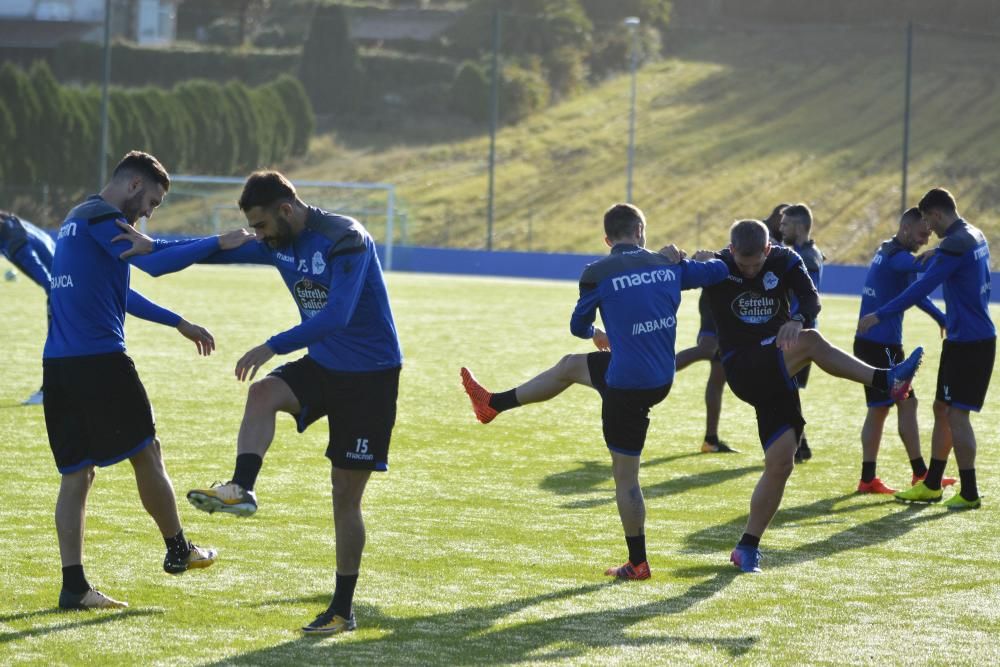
(80, 620)
(858, 535)
(470, 635)
(590, 474)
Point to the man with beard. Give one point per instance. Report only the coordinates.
(350, 374)
(763, 346)
(96, 409)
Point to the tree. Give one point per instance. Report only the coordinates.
(331, 69)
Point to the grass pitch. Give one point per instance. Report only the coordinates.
(486, 544)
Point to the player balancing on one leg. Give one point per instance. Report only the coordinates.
(96, 409)
(961, 263)
(350, 374)
(891, 271)
(707, 349)
(638, 295)
(763, 347)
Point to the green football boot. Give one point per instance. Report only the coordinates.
(919, 493)
(957, 502)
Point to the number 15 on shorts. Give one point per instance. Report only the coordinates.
(362, 446)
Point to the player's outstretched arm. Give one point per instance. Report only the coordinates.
(941, 266)
(31, 264)
(673, 254)
(250, 363)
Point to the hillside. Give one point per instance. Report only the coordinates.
(729, 124)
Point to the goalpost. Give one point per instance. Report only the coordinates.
(207, 204)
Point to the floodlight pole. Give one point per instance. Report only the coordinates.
(494, 120)
(102, 168)
(906, 114)
(633, 23)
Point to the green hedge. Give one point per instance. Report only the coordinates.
(51, 136)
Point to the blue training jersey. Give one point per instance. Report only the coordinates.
(892, 270)
(89, 285)
(637, 293)
(28, 248)
(962, 263)
(335, 277)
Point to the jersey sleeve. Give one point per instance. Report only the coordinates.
(928, 307)
(801, 286)
(941, 266)
(176, 256)
(141, 307)
(251, 252)
(904, 262)
(30, 263)
(702, 274)
(581, 323)
(349, 269)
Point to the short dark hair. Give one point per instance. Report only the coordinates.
(749, 237)
(910, 216)
(266, 188)
(938, 198)
(621, 220)
(802, 214)
(143, 164)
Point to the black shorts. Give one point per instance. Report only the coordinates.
(879, 355)
(96, 410)
(802, 377)
(624, 412)
(757, 375)
(964, 373)
(360, 409)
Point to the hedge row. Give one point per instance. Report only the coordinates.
(51, 135)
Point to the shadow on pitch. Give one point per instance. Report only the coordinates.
(82, 619)
(721, 538)
(470, 635)
(588, 475)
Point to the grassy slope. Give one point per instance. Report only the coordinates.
(486, 543)
(729, 125)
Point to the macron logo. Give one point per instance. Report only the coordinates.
(982, 252)
(644, 278)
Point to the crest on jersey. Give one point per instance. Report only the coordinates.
(310, 296)
(319, 266)
(770, 280)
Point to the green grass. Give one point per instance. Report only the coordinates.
(486, 544)
(729, 124)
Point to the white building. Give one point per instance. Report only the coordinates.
(144, 21)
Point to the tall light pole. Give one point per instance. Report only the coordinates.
(102, 165)
(633, 24)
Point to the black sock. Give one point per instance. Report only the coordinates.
(867, 471)
(505, 400)
(803, 442)
(177, 544)
(881, 379)
(74, 580)
(749, 540)
(712, 439)
(918, 466)
(343, 595)
(636, 549)
(934, 474)
(247, 467)
(969, 489)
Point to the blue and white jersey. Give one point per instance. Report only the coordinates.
(812, 259)
(333, 273)
(962, 263)
(89, 285)
(892, 270)
(27, 247)
(637, 293)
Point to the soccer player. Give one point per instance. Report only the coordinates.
(763, 346)
(892, 270)
(796, 232)
(96, 409)
(961, 263)
(349, 375)
(30, 250)
(707, 349)
(773, 222)
(637, 294)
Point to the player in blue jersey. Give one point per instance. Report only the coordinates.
(30, 250)
(763, 346)
(796, 232)
(96, 409)
(637, 293)
(892, 270)
(349, 375)
(961, 263)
